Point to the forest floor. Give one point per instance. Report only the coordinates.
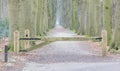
(63, 56)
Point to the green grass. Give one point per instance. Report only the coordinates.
(11, 48)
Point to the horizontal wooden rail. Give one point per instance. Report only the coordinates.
(30, 39)
(62, 38)
(96, 38)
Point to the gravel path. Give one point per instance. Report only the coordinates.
(73, 67)
(68, 56)
(65, 51)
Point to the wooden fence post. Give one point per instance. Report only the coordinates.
(16, 42)
(27, 35)
(104, 42)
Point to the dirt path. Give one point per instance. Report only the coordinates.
(68, 56)
(59, 31)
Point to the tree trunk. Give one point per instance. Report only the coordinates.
(116, 34)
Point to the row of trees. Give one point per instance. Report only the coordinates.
(90, 17)
(35, 15)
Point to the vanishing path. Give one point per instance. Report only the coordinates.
(68, 56)
(59, 31)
